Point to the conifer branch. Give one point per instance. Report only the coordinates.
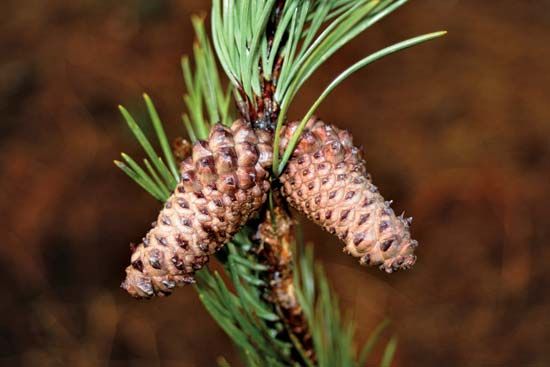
(277, 306)
(276, 242)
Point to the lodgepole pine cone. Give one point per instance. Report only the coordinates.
(326, 179)
(222, 184)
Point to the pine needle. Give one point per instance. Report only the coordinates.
(344, 75)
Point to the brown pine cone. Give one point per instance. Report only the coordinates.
(222, 184)
(326, 179)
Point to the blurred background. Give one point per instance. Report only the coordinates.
(456, 132)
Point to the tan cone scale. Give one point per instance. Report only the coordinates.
(327, 180)
(222, 184)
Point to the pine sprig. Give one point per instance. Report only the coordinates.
(206, 101)
(268, 50)
(252, 323)
(244, 315)
(262, 63)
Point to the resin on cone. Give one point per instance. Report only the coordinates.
(223, 183)
(326, 179)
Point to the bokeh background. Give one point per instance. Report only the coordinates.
(456, 131)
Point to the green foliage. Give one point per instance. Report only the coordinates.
(160, 181)
(251, 322)
(389, 352)
(206, 101)
(238, 33)
(332, 335)
(306, 34)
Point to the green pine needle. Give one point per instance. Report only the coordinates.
(169, 180)
(140, 180)
(332, 335)
(165, 191)
(344, 75)
(207, 101)
(389, 352)
(161, 135)
(372, 341)
(222, 362)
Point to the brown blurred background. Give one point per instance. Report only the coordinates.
(456, 131)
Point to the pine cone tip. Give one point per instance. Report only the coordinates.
(142, 286)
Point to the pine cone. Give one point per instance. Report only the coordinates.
(222, 184)
(326, 179)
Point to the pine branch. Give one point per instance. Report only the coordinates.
(268, 50)
(276, 243)
(257, 325)
(254, 324)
